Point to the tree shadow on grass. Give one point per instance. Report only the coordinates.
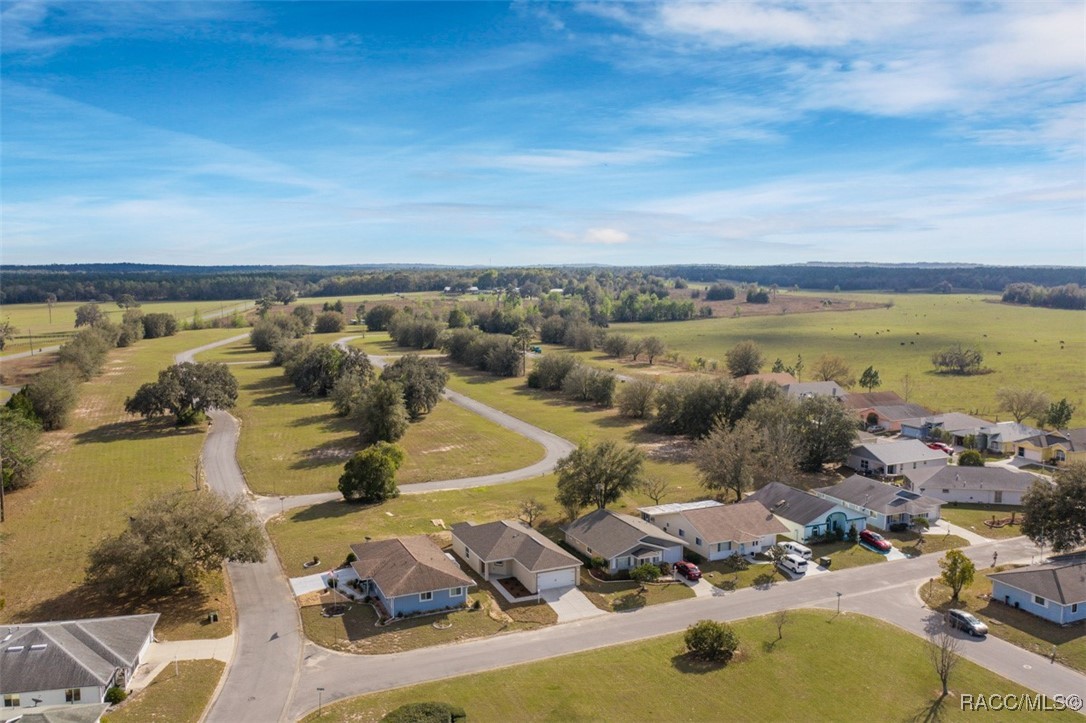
(328, 510)
(333, 453)
(932, 712)
(275, 391)
(765, 580)
(688, 663)
(136, 429)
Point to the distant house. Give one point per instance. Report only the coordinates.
(895, 458)
(778, 378)
(1004, 437)
(625, 542)
(800, 390)
(889, 409)
(977, 485)
(510, 548)
(410, 575)
(957, 425)
(1055, 448)
(804, 514)
(717, 531)
(883, 504)
(1055, 591)
(73, 662)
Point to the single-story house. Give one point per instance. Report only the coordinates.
(410, 575)
(778, 378)
(71, 662)
(889, 409)
(804, 514)
(883, 504)
(510, 548)
(1055, 591)
(1056, 448)
(624, 541)
(978, 485)
(799, 390)
(67, 713)
(1003, 437)
(895, 458)
(957, 425)
(719, 531)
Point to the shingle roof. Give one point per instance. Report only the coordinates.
(678, 507)
(735, 523)
(1063, 582)
(880, 497)
(888, 405)
(971, 478)
(70, 654)
(950, 421)
(780, 378)
(83, 713)
(1010, 431)
(899, 452)
(790, 503)
(860, 400)
(611, 533)
(407, 565)
(513, 540)
(1077, 438)
(825, 389)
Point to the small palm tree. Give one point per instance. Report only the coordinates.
(920, 525)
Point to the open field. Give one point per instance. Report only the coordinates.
(1021, 345)
(769, 680)
(1015, 626)
(972, 518)
(98, 471)
(174, 696)
(50, 328)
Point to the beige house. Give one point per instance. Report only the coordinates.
(510, 548)
(719, 531)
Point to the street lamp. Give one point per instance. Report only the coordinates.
(319, 701)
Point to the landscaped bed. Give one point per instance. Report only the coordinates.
(972, 518)
(624, 595)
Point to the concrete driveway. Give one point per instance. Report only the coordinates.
(570, 604)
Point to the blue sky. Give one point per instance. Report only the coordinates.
(536, 133)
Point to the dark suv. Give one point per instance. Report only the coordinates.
(688, 570)
(967, 622)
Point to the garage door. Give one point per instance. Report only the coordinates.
(558, 578)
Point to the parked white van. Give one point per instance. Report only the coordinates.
(793, 563)
(797, 549)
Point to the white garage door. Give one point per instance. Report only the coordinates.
(558, 578)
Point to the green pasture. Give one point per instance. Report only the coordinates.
(1021, 345)
(179, 694)
(813, 672)
(98, 470)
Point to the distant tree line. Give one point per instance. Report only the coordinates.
(1068, 296)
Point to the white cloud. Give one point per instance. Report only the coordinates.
(567, 160)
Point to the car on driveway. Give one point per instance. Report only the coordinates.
(942, 447)
(688, 570)
(876, 429)
(966, 621)
(875, 540)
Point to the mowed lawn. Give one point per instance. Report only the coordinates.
(1021, 345)
(972, 518)
(815, 672)
(100, 469)
(178, 694)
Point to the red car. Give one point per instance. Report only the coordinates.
(688, 570)
(875, 540)
(941, 447)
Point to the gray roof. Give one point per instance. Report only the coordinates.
(70, 654)
(879, 497)
(407, 565)
(971, 478)
(824, 389)
(1077, 438)
(669, 507)
(513, 540)
(610, 534)
(83, 713)
(888, 405)
(790, 503)
(950, 421)
(1010, 431)
(735, 523)
(1062, 582)
(899, 451)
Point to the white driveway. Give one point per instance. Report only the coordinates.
(570, 604)
(701, 588)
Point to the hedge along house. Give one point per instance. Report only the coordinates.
(1055, 591)
(73, 662)
(883, 504)
(975, 485)
(720, 531)
(625, 542)
(410, 575)
(895, 458)
(512, 549)
(806, 515)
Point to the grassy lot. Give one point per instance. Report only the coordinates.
(1020, 344)
(769, 680)
(99, 469)
(626, 595)
(910, 543)
(174, 696)
(50, 328)
(293, 444)
(972, 518)
(1015, 626)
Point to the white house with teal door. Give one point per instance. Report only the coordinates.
(806, 515)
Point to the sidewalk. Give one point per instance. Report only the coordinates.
(159, 655)
(942, 526)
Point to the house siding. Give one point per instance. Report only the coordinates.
(87, 694)
(973, 496)
(410, 604)
(1053, 611)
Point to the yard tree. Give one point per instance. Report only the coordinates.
(869, 380)
(174, 537)
(832, 368)
(957, 360)
(523, 337)
(971, 458)
(305, 315)
(958, 571)
(381, 412)
(530, 509)
(330, 322)
(52, 394)
(1056, 514)
(653, 346)
(729, 459)
(655, 488)
(635, 398)
(710, 640)
(127, 301)
(826, 431)
(597, 474)
(88, 315)
(7, 332)
(378, 317)
(86, 351)
(744, 358)
(1057, 416)
(185, 390)
(159, 325)
(944, 656)
(617, 345)
(423, 381)
(19, 452)
(778, 420)
(644, 573)
(370, 475)
(1022, 403)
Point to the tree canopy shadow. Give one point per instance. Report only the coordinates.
(689, 663)
(136, 429)
(932, 712)
(333, 453)
(327, 510)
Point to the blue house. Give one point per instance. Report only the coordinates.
(1055, 591)
(410, 575)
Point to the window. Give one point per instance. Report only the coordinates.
(1040, 601)
(945, 492)
(697, 540)
(682, 533)
(72, 695)
(457, 591)
(467, 554)
(1074, 607)
(424, 596)
(11, 700)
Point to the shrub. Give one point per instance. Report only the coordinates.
(645, 573)
(330, 322)
(550, 371)
(635, 399)
(719, 292)
(378, 317)
(710, 640)
(853, 533)
(597, 563)
(115, 695)
(351, 557)
(971, 458)
(426, 713)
